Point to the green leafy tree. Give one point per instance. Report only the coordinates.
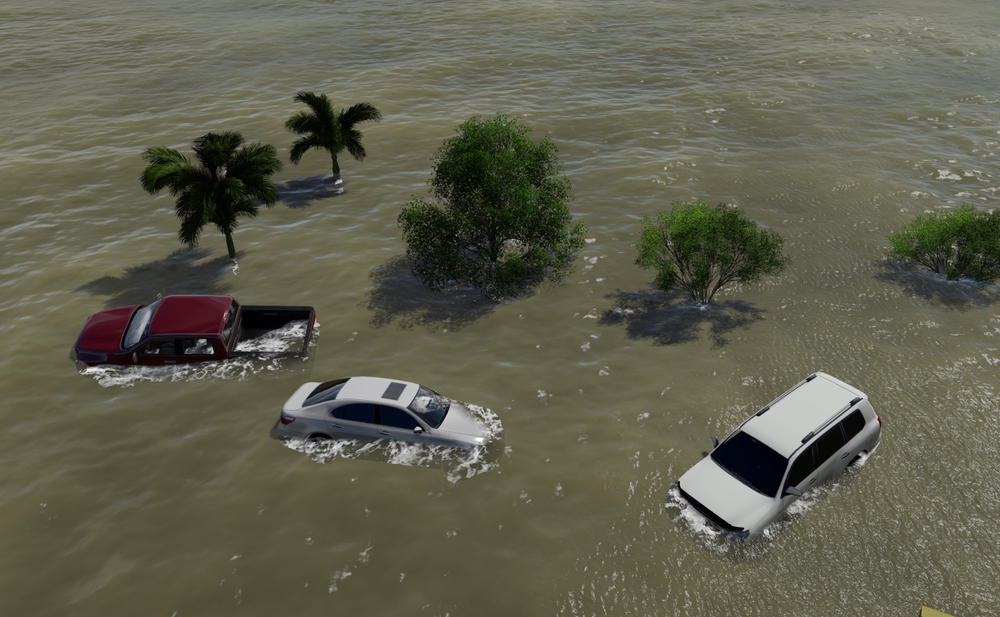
(702, 249)
(963, 243)
(227, 181)
(499, 219)
(324, 128)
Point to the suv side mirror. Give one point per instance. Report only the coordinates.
(418, 430)
(715, 440)
(791, 490)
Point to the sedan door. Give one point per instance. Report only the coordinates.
(353, 421)
(399, 425)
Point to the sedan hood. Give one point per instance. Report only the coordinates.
(460, 420)
(735, 502)
(103, 331)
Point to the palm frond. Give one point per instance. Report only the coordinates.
(165, 167)
(318, 103)
(352, 141)
(361, 112)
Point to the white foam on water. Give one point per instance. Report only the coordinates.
(284, 339)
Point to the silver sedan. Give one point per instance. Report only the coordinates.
(369, 408)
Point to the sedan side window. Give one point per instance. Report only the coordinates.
(397, 418)
(801, 468)
(829, 444)
(358, 412)
(853, 424)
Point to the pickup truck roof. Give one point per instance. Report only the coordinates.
(194, 315)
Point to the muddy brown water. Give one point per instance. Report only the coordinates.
(833, 123)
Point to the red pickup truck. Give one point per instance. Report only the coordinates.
(184, 329)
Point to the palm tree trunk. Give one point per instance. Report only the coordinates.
(230, 246)
(336, 169)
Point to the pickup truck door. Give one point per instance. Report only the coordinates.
(157, 352)
(353, 421)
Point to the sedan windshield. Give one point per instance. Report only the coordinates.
(430, 406)
(139, 325)
(752, 463)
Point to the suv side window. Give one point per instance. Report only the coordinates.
(829, 444)
(397, 418)
(853, 424)
(801, 468)
(357, 412)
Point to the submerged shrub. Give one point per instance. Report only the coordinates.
(963, 243)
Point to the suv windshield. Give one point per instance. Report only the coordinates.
(430, 406)
(752, 463)
(139, 325)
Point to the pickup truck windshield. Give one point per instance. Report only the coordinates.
(752, 463)
(430, 406)
(139, 326)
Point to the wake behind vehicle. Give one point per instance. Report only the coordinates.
(370, 408)
(805, 437)
(186, 329)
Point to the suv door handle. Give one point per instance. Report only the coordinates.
(811, 481)
(846, 454)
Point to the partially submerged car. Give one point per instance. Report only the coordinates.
(184, 329)
(803, 438)
(369, 408)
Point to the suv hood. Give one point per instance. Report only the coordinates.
(735, 502)
(103, 331)
(460, 420)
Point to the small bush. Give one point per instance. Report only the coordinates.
(962, 243)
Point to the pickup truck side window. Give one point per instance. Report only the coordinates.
(828, 445)
(227, 328)
(197, 347)
(356, 412)
(397, 418)
(158, 347)
(853, 424)
(801, 468)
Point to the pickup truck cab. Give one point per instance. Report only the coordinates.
(184, 329)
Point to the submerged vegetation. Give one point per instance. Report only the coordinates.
(702, 249)
(959, 244)
(499, 219)
(228, 180)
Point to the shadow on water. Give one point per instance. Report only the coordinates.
(184, 271)
(670, 318)
(915, 281)
(397, 295)
(303, 192)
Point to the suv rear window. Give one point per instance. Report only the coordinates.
(853, 424)
(829, 444)
(751, 462)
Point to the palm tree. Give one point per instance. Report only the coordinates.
(322, 127)
(227, 181)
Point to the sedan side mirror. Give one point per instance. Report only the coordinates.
(418, 430)
(791, 490)
(715, 440)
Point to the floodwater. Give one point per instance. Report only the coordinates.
(833, 123)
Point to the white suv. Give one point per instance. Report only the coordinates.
(801, 439)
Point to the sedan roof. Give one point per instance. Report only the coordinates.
(379, 390)
(194, 315)
(804, 409)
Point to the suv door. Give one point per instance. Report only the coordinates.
(830, 452)
(802, 473)
(353, 421)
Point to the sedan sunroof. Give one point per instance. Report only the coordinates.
(394, 390)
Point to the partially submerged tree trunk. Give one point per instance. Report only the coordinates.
(336, 170)
(232, 252)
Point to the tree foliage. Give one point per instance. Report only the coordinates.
(227, 181)
(702, 249)
(499, 219)
(323, 127)
(962, 243)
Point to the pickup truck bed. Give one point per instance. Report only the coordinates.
(258, 321)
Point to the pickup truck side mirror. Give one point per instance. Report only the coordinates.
(715, 440)
(791, 490)
(418, 430)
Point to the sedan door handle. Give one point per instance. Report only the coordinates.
(336, 425)
(386, 433)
